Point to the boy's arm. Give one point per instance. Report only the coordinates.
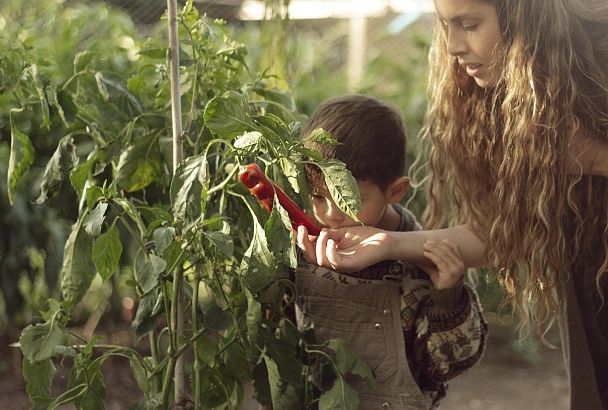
(449, 335)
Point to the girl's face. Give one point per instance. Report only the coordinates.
(474, 37)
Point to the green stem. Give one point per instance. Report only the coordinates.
(197, 362)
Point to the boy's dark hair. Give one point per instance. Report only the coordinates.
(371, 136)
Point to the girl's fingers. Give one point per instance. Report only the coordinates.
(334, 257)
(321, 249)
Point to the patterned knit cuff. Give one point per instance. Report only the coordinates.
(447, 300)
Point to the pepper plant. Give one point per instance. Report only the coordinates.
(137, 217)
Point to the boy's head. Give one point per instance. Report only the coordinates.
(371, 142)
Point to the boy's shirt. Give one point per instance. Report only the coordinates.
(444, 330)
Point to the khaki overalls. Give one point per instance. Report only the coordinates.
(367, 317)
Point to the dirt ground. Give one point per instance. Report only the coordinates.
(509, 377)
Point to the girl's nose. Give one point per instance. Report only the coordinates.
(457, 44)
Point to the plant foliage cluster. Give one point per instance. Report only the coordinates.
(94, 139)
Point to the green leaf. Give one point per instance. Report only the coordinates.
(279, 234)
(145, 320)
(322, 137)
(340, 397)
(22, 156)
(39, 341)
(113, 89)
(82, 60)
(206, 350)
(139, 165)
(53, 100)
(188, 188)
(80, 175)
(163, 237)
(141, 376)
(229, 115)
(254, 317)
(39, 379)
(347, 361)
(107, 250)
(222, 241)
(258, 266)
(248, 140)
(78, 268)
(342, 186)
(94, 220)
(133, 213)
(148, 270)
(88, 373)
(284, 395)
(60, 165)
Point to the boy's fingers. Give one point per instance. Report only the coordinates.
(304, 243)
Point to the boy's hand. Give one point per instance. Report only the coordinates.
(449, 265)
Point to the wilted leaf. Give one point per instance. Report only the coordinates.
(38, 341)
(163, 237)
(22, 156)
(39, 379)
(64, 159)
(147, 271)
(222, 241)
(78, 268)
(139, 165)
(189, 185)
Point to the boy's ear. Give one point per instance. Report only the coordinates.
(397, 189)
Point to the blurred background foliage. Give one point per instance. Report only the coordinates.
(307, 57)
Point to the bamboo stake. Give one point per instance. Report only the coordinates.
(178, 155)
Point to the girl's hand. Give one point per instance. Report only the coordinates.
(449, 264)
(345, 249)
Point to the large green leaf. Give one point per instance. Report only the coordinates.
(229, 115)
(147, 271)
(139, 165)
(340, 397)
(188, 188)
(39, 341)
(107, 250)
(78, 268)
(279, 234)
(88, 374)
(58, 168)
(348, 362)
(22, 156)
(39, 379)
(258, 266)
(284, 395)
(342, 186)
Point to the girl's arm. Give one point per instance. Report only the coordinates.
(354, 248)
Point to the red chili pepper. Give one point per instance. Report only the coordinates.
(264, 190)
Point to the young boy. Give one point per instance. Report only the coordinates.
(414, 329)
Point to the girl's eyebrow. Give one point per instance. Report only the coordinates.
(460, 17)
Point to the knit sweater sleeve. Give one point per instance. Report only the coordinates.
(446, 335)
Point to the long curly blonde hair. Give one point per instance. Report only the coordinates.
(497, 157)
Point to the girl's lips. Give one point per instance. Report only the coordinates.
(473, 69)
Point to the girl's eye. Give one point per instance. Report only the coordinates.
(317, 197)
(471, 27)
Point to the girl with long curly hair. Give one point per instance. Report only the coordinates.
(517, 170)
